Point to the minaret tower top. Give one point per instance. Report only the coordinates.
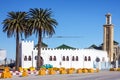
(108, 19)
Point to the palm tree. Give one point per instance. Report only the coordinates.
(14, 25)
(41, 23)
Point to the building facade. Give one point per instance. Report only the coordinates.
(75, 58)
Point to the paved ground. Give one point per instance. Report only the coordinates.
(102, 75)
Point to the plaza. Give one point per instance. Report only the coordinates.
(102, 75)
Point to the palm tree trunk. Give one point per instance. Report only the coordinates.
(17, 51)
(39, 49)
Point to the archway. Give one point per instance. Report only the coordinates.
(41, 61)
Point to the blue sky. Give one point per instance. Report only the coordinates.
(84, 18)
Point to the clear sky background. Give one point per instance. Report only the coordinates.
(84, 18)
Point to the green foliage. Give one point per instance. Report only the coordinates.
(15, 25)
(38, 21)
(48, 66)
(42, 66)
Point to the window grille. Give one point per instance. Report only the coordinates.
(29, 58)
(67, 58)
(73, 58)
(50, 59)
(54, 58)
(25, 58)
(85, 58)
(89, 58)
(76, 58)
(63, 58)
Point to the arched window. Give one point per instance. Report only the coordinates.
(41, 61)
(35, 57)
(25, 58)
(85, 58)
(63, 58)
(73, 58)
(76, 58)
(50, 59)
(54, 58)
(89, 58)
(29, 58)
(103, 59)
(67, 58)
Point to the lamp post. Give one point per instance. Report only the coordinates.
(116, 60)
(32, 58)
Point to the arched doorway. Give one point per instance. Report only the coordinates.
(41, 61)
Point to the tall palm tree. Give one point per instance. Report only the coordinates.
(41, 23)
(14, 25)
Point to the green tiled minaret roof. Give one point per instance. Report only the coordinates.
(63, 46)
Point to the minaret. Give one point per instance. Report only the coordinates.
(108, 37)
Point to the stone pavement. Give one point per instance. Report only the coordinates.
(102, 75)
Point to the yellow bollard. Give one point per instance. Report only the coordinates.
(32, 69)
(62, 71)
(6, 74)
(79, 70)
(55, 68)
(90, 70)
(118, 69)
(9, 74)
(42, 72)
(84, 70)
(70, 71)
(51, 72)
(20, 69)
(24, 73)
(111, 69)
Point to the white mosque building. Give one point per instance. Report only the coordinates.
(74, 57)
(68, 58)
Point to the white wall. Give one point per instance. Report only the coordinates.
(27, 49)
